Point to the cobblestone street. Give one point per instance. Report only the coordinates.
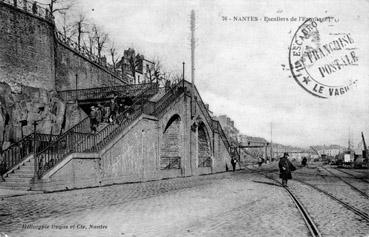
(244, 203)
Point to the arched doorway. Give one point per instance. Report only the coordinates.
(204, 151)
(169, 152)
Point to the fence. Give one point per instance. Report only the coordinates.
(18, 151)
(80, 139)
(83, 51)
(101, 92)
(31, 7)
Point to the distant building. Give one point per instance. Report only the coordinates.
(209, 111)
(229, 129)
(143, 67)
(331, 150)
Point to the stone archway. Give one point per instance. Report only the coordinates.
(204, 150)
(170, 157)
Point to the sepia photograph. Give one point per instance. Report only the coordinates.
(173, 118)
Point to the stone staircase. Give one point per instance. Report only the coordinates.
(20, 176)
(80, 139)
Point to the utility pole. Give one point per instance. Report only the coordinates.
(183, 74)
(35, 161)
(271, 141)
(192, 60)
(76, 87)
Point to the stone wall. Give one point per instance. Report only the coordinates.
(79, 172)
(33, 64)
(18, 111)
(71, 67)
(26, 50)
(135, 157)
(30, 55)
(171, 142)
(135, 154)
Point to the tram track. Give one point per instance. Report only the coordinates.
(351, 208)
(313, 229)
(358, 212)
(350, 185)
(355, 177)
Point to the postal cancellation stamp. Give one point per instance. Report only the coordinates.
(323, 58)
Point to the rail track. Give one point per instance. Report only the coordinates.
(358, 212)
(350, 185)
(362, 214)
(313, 229)
(358, 178)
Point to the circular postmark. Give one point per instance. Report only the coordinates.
(323, 58)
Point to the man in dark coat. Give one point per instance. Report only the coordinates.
(285, 168)
(233, 162)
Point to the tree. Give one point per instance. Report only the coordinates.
(100, 39)
(176, 77)
(134, 61)
(113, 54)
(155, 71)
(91, 43)
(67, 28)
(79, 28)
(60, 6)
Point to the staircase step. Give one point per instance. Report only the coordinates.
(17, 179)
(14, 187)
(29, 164)
(22, 171)
(25, 168)
(15, 184)
(20, 176)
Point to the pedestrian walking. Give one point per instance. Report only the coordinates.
(304, 162)
(2, 166)
(260, 161)
(233, 162)
(285, 169)
(93, 119)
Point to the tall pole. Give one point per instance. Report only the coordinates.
(271, 141)
(76, 87)
(183, 74)
(35, 162)
(192, 58)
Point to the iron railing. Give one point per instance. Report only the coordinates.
(131, 90)
(18, 151)
(85, 52)
(124, 119)
(31, 7)
(80, 139)
(168, 98)
(214, 124)
(204, 162)
(170, 163)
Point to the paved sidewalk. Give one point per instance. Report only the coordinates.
(4, 192)
(228, 204)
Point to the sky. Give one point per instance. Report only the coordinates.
(241, 67)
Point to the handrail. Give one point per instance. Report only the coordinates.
(84, 52)
(122, 119)
(32, 8)
(19, 150)
(99, 92)
(208, 118)
(166, 99)
(205, 160)
(83, 127)
(74, 141)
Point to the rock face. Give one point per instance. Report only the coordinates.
(18, 112)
